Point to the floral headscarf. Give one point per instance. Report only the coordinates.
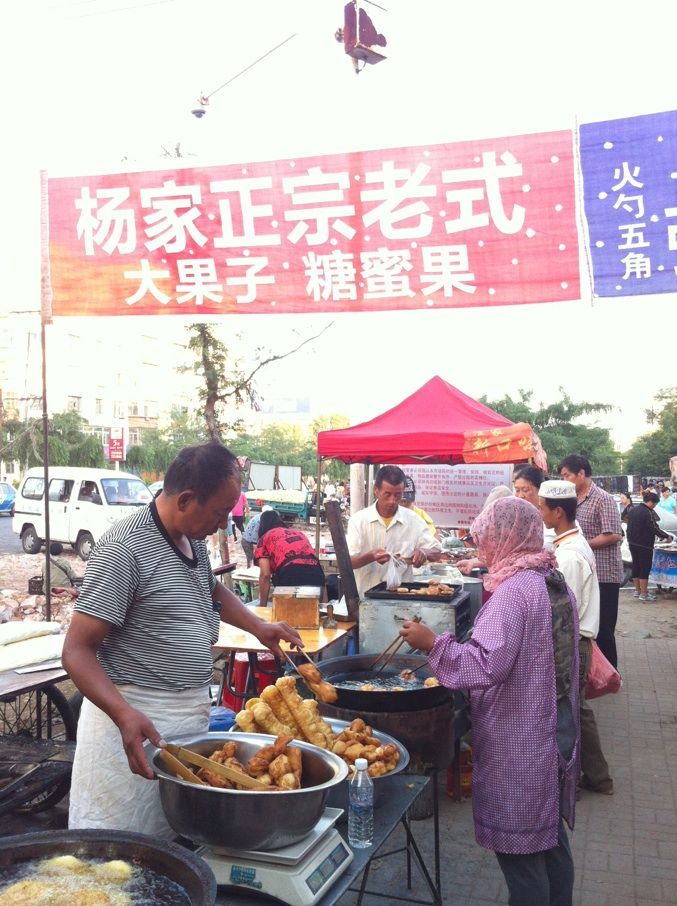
(509, 536)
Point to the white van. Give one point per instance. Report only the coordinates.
(83, 504)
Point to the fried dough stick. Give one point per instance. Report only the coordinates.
(309, 673)
(260, 762)
(321, 689)
(265, 718)
(303, 717)
(272, 696)
(311, 705)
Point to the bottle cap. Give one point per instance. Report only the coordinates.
(361, 764)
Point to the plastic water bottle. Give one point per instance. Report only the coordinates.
(361, 810)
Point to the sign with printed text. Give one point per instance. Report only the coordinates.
(489, 222)
(453, 495)
(630, 189)
(116, 445)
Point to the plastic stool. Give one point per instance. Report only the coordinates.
(220, 719)
(239, 678)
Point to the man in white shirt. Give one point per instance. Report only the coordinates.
(386, 528)
(576, 561)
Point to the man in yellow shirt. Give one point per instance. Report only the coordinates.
(408, 499)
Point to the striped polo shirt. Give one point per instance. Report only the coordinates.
(158, 602)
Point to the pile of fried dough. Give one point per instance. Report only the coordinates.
(432, 588)
(281, 710)
(277, 765)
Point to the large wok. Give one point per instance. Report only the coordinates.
(180, 865)
(336, 669)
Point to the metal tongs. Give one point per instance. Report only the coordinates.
(388, 654)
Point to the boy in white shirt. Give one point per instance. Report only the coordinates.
(557, 501)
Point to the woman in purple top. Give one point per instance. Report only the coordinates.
(522, 783)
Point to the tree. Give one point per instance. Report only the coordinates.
(226, 380)
(158, 447)
(558, 428)
(650, 454)
(67, 441)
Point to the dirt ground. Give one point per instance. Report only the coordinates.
(636, 619)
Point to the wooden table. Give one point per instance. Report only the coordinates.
(317, 642)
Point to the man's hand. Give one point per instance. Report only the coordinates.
(271, 634)
(418, 558)
(135, 728)
(418, 635)
(380, 556)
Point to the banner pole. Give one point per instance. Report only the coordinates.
(45, 316)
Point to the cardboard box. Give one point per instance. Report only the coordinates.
(297, 605)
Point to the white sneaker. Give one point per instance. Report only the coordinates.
(647, 597)
(635, 594)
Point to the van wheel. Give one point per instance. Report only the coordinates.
(84, 545)
(30, 541)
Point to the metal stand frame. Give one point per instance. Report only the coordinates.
(411, 849)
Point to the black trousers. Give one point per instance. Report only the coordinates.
(608, 615)
(540, 879)
(642, 560)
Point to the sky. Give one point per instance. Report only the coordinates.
(104, 85)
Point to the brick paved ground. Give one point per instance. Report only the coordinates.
(625, 846)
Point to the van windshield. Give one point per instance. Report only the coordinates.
(126, 492)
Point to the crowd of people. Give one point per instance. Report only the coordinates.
(139, 644)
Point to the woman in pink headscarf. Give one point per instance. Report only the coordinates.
(521, 667)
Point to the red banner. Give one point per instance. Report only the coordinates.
(488, 222)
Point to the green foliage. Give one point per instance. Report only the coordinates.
(650, 454)
(290, 445)
(559, 428)
(159, 447)
(67, 442)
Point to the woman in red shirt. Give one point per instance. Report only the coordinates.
(285, 555)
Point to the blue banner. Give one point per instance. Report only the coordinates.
(630, 195)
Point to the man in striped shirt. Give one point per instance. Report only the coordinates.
(139, 644)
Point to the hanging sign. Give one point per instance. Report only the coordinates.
(454, 495)
(630, 189)
(479, 223)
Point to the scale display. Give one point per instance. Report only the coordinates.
(327, 869)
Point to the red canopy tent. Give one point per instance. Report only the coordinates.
(436, 424)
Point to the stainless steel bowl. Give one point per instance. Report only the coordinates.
(338, 797)
(241, 819)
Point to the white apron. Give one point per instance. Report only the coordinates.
(104, 792)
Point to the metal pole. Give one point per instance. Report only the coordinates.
(45, 457)
(318, 493)
(45, 317)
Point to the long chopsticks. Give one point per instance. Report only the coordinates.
(221, 770)
(387, 653)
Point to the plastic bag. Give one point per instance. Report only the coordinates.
(395, 572)
(603, 678)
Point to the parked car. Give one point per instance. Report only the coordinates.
(83, 504)
(7, 497)
(156, 487)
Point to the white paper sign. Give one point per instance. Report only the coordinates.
(453, 495)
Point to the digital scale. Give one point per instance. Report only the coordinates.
(299, 874)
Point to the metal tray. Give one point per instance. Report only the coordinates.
(380, 593)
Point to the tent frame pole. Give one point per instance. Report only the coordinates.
(318, 502)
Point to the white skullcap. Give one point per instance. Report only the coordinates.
(557, 490)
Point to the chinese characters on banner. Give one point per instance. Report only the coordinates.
(630, 187)
(453, 495)
(488, 222)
